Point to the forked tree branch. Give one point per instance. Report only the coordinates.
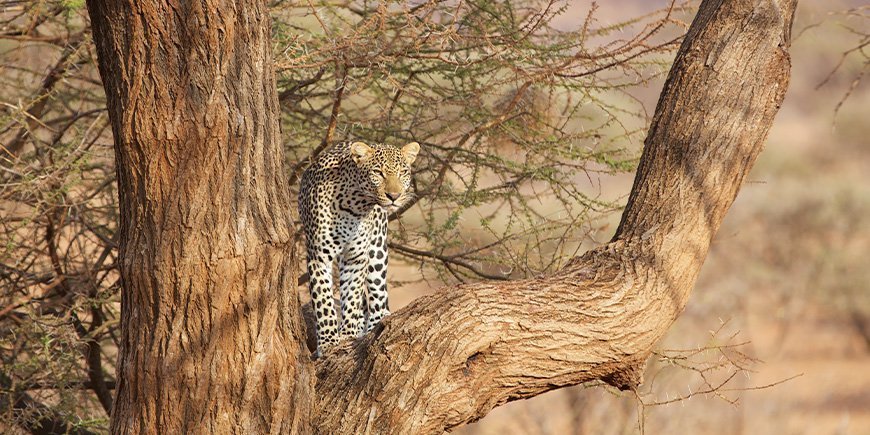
(449, 358)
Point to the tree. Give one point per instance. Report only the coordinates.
(489, 86)
(212, 335)
(211, 331)
(601, 315)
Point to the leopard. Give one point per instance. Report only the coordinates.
(345, 198)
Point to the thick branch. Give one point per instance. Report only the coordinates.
(449, 358)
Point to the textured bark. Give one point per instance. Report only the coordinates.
(449, 358)
(212, 333)
(211, 336)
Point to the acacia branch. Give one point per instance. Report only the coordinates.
(446, 260)
(46, 420)
(449, 358)
(341, 80)
(35, 110)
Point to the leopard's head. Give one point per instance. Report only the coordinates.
(387, 170)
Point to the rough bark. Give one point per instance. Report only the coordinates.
(449, 358)
(211, 336)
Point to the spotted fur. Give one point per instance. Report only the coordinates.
(344, 199)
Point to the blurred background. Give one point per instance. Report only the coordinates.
(532, 116)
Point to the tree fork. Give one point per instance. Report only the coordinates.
(212, 334)
(449, 358)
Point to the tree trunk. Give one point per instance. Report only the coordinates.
(212, 333)
(211, 336)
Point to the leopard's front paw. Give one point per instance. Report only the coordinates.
(349, 334)
(375, 319)
(326, 345)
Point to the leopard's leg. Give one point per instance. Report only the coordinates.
(320, 260)
(351, 285)
(376, 272)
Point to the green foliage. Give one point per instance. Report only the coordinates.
(511, 111)
(73, 5)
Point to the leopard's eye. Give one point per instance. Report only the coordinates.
(379, 173)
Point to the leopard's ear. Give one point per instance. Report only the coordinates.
(361, 152)
(409, 152)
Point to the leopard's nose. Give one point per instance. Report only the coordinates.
(393, 195)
